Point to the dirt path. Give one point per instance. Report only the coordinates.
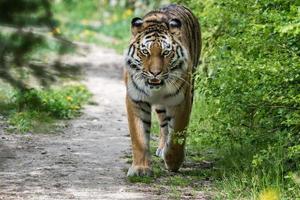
(85, 159)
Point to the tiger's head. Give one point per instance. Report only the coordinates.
(156, 58)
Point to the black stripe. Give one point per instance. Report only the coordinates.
(150, 40)
(137, 87)
(133, 50)
(165, 120)
(172, 56)
(177, 52)
(181, 51)
(158, 111)
(137, 101)
(146, 122)
(163, 125)
(129, 50)
(147, 104)
(141, 102)
(168, 118)
(177, 66)
(148, 36)
(145, 111)
(137, 61)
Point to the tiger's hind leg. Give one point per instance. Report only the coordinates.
(163, 123)
(139, 120)
(174, 150)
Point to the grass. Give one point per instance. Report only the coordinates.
(99, 23)
(137, 179)
(29, 120)
(36, 109)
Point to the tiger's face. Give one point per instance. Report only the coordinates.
(156, 59)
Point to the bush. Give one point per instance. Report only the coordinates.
(35, 105)
(248, 105)
(62, 103)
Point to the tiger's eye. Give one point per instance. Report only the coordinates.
(145, 52)
(133, 66)
(166, 52)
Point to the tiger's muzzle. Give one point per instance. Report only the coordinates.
(154, 83)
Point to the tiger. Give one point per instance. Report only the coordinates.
(162, 56)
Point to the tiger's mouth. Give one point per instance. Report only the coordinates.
(154, 82)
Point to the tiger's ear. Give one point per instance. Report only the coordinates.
(136, 25)
(175, 26)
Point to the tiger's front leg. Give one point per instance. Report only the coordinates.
(163, 123)
(139, 120)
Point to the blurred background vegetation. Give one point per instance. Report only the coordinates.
(104, 22)
(246, 118)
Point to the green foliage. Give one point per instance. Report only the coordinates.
(95, 22)
(100, 22)
(26, 28)
(27, 109)
(31, 46)
(179, 181)
(140, 179)
(62, 103)
(25, 121)
(247, 109)
(25, 13)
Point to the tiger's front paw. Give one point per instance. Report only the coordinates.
(139, 171)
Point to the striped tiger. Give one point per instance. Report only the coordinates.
(163, 53)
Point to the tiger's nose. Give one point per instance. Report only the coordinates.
(155, 72)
